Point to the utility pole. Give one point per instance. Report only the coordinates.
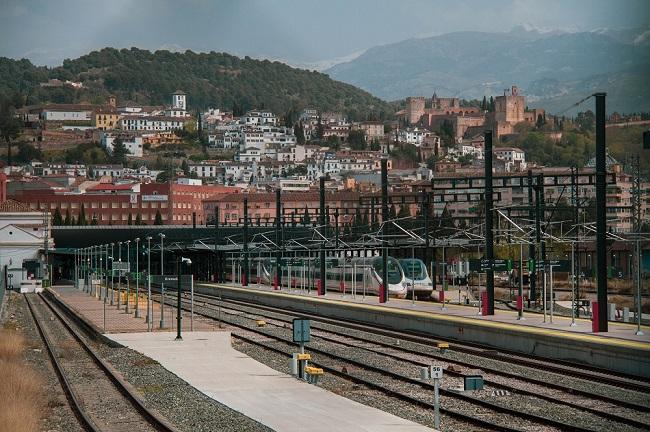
(323, 231)
(636, 207)
(489, 222)
(384, 214)
(532, 253)
(601, 213)
(278, 238)
(244, 281)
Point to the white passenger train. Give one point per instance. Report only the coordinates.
(361, 275)
(417, 273)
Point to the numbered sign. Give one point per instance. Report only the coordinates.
(436, 372)
(301, 331)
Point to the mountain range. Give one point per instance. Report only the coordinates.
(553, 69)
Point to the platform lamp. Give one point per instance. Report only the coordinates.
(84, 269)
(137, 277)
(149, 317)
(162, 280)
(119, 274)
(106, 274)
(179, 263)
(88, 273)
(112, 276)
(99, 271)
(128, 274)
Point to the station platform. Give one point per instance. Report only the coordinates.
(619, 349)
(106, 318)
(277, 400)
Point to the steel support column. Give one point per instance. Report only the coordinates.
(489, 222)
(278, 238)
(246, 269)
(601, 213)
(384, 216)
(321, 284)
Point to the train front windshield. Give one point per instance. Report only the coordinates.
(414, 269)
(394, 271)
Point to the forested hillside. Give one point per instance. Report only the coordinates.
(209, 79)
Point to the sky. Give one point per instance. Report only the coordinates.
(308, 33)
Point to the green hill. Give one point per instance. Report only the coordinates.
(209, 79)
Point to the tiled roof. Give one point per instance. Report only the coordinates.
(12, 206)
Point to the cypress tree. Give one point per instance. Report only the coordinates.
(82, 217)
(67, 221)
(158, 220)
(57, 219)
(138, 219)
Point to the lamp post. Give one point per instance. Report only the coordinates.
(137, 277)
(76, 276)
(119, 274)
(101, 267)
(112, 278)
(89, 276)
(178, 295)
(83, 267)
(162, 281)
(149, 318)
(106, 274)
(128, 274)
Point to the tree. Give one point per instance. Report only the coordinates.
(299, 132)
(484, 104)
(585, 121)
(334, 142)
(10, 126)
(138, 219)
(375, 145)
(28, 153)
(185, 167)
(306, 219)
(82, 217)
(357, 139)
(118, 155)
(67, 221)
(491, 104)
(163, 177)
(358, 219)
(392, 212)
(320, 129)
(540, 121)
(404, 212)
(130, 219)
(158, 220)
(94, 221)
(57, 220)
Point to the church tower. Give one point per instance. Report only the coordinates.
(178, 100)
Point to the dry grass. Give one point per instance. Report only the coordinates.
(12, 345)
(21, 389)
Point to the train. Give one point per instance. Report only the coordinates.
(417, 273)
(347, 275)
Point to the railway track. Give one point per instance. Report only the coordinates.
(510, 419)
(514, 382)
(97, 394)
(556, 366)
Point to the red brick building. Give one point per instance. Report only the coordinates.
(111, 204)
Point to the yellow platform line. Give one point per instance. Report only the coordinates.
(582, 337)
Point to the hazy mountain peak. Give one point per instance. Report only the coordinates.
(546, 65)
